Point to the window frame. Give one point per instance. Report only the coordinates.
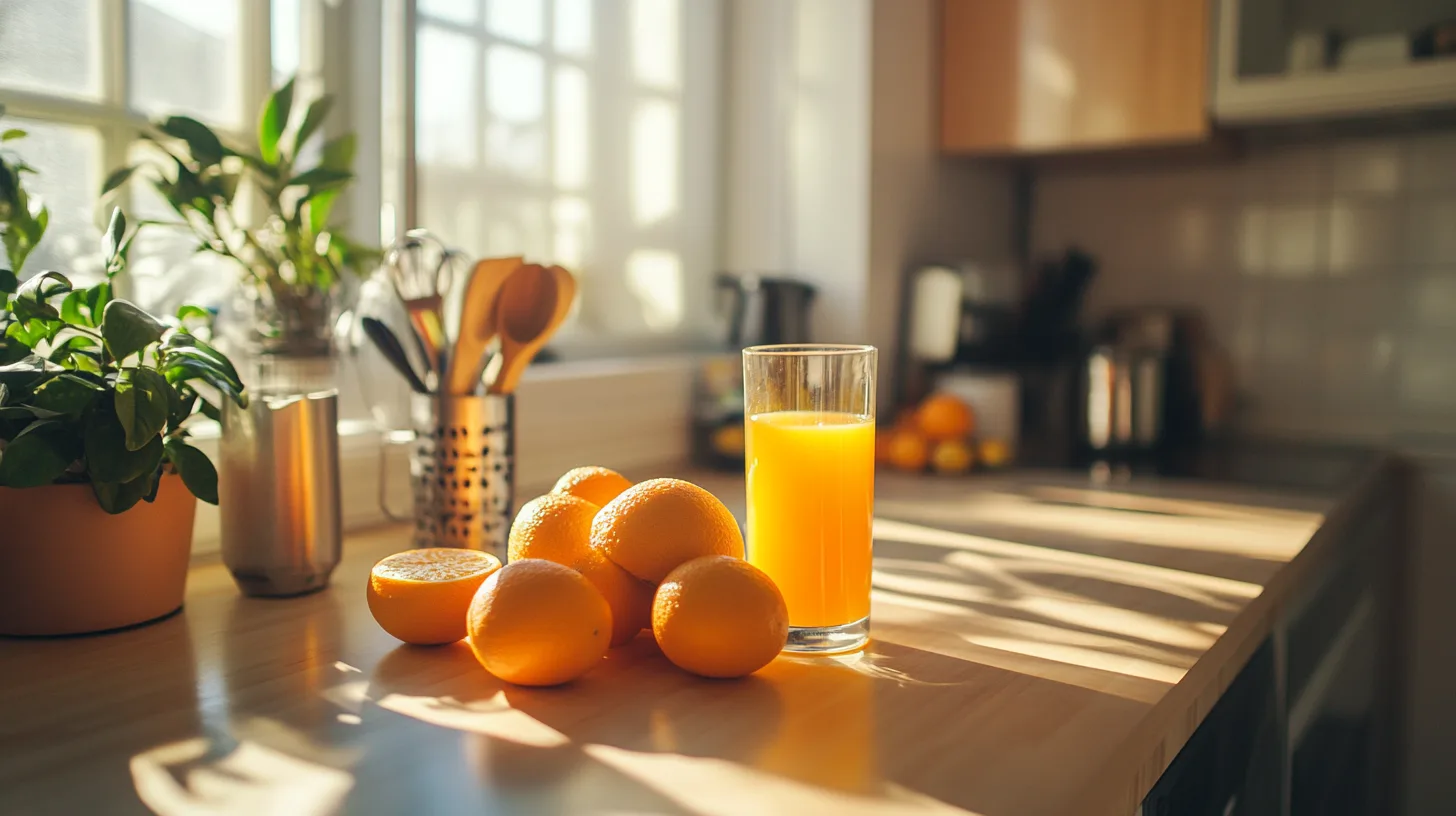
(698, 332)
(111, 116)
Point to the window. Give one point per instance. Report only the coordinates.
(81, 76)
(581, 132)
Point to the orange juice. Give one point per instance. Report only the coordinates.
(811, 490)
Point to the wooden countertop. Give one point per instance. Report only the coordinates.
(1039, 647)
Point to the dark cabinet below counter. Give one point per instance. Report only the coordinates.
(1309, 724)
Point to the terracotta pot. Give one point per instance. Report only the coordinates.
(70, 567)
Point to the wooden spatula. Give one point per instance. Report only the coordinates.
(477, 323)
(532, 305)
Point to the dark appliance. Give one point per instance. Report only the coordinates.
(762, 310)
(1151, 383)
(759, 310)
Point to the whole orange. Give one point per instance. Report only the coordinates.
(597, 485)
(556, 527)
(719, 617)
(952, 456)
(420, 596)
(538, 623)
(658, 524)
(944, 416)
(907, 450)
(629, 598)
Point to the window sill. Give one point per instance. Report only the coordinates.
(623, 413)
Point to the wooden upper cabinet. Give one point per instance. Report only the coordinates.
(1036, 76)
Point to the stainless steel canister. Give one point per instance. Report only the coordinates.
(279, 492)
(462, 471)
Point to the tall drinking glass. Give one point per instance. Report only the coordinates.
(809, 416)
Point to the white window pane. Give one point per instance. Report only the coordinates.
(572, 26)
(464, 12)
(446, 99)
(654, 161)
(571, 128)
(571, 218)
(520, 20)
(515, 99)
(49, 46)
(655, 59)
(184, 58)
(68, 176)
(655, 277)
(287, 34)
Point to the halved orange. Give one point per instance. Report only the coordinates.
(421, 596)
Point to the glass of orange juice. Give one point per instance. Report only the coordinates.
(809, 416)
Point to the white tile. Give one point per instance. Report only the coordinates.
(1200, 238)
(1294, 234)
(1374, 166)
(1364, 235)
(1361, 304)
(1430, 161)
(1427, 376)
(1433, 303)
(1356, 372)
(1252, 230)
(1431, 230)
(1300, 170)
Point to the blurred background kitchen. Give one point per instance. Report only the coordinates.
(1117, 231)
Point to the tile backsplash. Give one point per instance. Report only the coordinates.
(1327, 270)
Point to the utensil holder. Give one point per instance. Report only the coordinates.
(462, 471)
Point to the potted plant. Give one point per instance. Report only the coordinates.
(292, 261)
(98, 484)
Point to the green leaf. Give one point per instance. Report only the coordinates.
(75, 344)
(23, 373)
(319, 207)
(30, 298)
(317, 111)
(8, 282)
(127, 329)
(338, 153)
(34, 457)
(210, 411)
(119, 497)
(96, 299)
(187, 345)
(108, 459)
(180, 403)
(274, 121)
(115, 231)
(187, 310)
(202, 143)
(141, 405)
(184, 369)
(117, 178)
(12, 133)
(66, 394)
(320, 178)
(71, 309)
(195, 468)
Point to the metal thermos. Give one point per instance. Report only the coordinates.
(279, 492)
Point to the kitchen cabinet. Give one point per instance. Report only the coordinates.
(1309, 724)
(1282, 60)
(1040, 76)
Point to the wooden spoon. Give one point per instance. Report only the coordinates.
(477, 323)
(532, 305)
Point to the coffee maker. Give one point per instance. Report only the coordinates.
(755, 310)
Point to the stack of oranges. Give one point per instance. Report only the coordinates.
(939, 433)
(590, 565)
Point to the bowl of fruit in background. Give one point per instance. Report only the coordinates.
(939, 436)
